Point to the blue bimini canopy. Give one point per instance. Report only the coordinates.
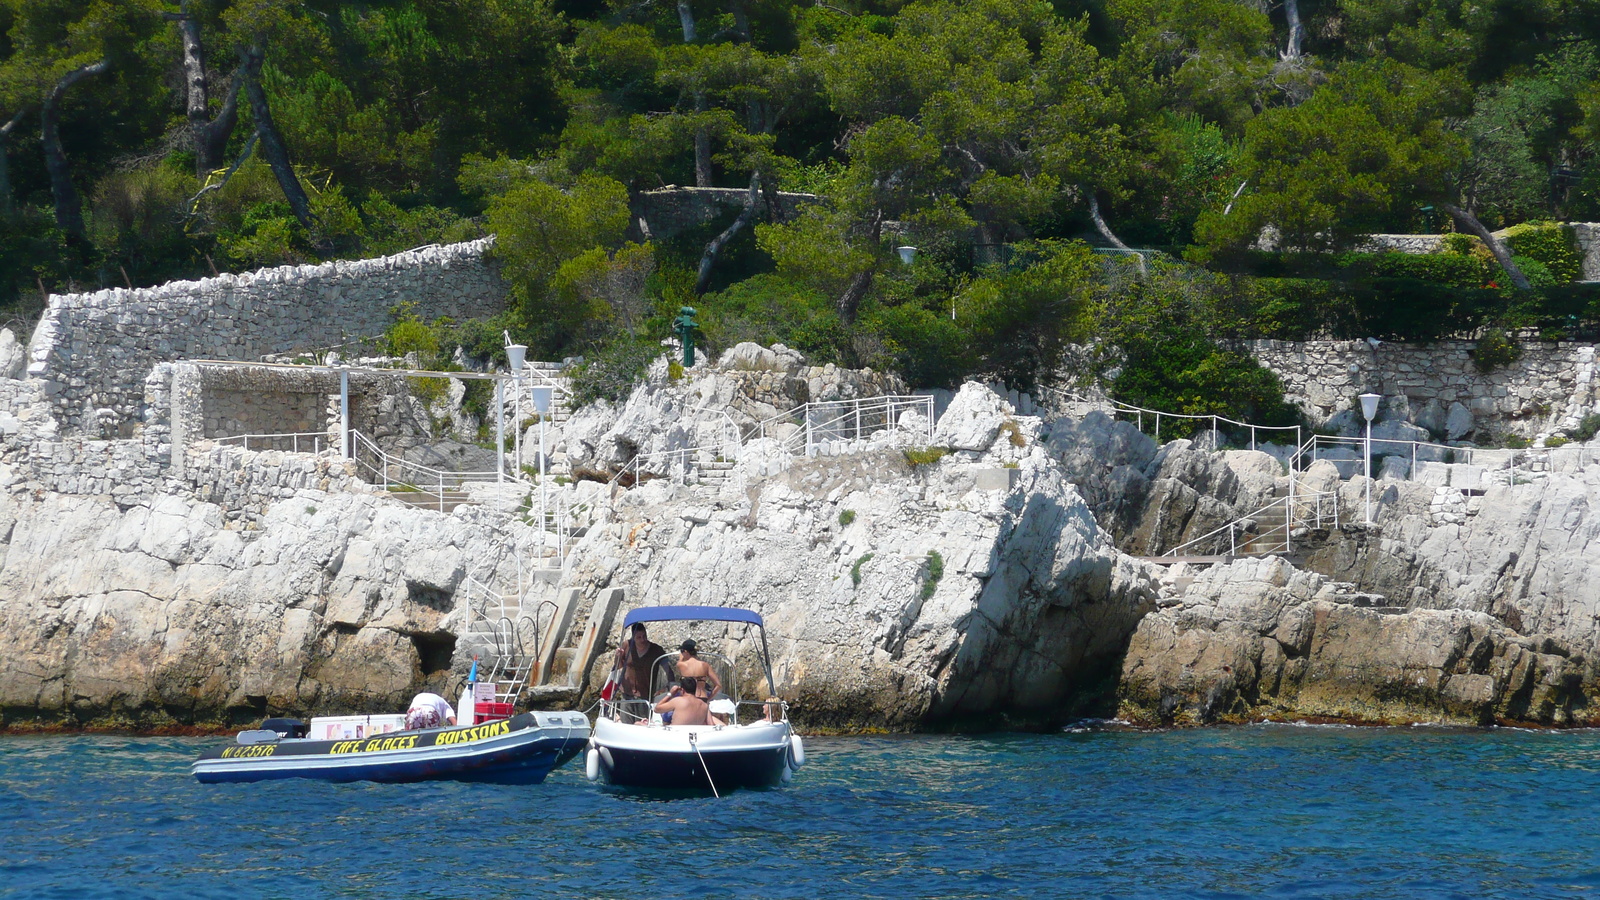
(683, 613)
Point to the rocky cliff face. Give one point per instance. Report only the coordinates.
(974, 584)
(166, 614)
(1260, 639)
(896, 595)
(1527, 554)
(1153, 498)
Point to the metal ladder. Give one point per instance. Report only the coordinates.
(496, 623)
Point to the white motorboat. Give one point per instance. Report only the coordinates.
(749, 744)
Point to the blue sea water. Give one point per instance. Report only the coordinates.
(1268, 810)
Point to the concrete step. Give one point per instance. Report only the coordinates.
(445, 502)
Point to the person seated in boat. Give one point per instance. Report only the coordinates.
(683, 707)
(429, 711)
(635, 658)
(690, 664)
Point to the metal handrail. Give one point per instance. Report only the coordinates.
(512, 664)
(1117, 406)
(854, 408)
(1506, 457)
(1288, 504)
(852, 413)
(429, 473)
(315, 437)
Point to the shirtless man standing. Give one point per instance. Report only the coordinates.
(694, 667)
(686, 708)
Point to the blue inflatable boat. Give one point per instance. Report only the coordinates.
(520, 750)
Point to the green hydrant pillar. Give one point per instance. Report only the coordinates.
(684, 326)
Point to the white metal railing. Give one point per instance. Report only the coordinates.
(553, 518)
(1245, 537)
(293, 442)
(546, 511)
(393, 472)
(846, 420)
(498, 620)
(676, 463)
(647, 465)
(1140, 414)
(1526, 460)
(730, 439)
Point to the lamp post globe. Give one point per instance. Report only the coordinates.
(1369, 405)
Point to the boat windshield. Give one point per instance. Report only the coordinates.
(721, 644)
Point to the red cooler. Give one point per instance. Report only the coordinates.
(488, 711)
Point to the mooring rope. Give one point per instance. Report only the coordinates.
(705, 768)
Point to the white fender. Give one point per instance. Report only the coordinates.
(797, 752)
(592, 764)
(787, 775)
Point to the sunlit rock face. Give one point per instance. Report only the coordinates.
(1260, 639)
(974, 585)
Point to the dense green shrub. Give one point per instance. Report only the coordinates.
(926, 456)
(855, 569)
(612, 372)
(137, 219)
(1018, 319)
(1494, 349)
(1158, 351)
(933, 570)
(927, 349)
(1537, 273)
(412, 335)
(1587, 427)
(768, 309)
(1452, 269)
(1553, 246)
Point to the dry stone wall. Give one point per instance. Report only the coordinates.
(663, 213)
(92, 351)
(1587, 235)
(1550, 386)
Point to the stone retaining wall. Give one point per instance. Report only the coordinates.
(93, 351)
(1551, 386)
(1587, 235)
(672, 210)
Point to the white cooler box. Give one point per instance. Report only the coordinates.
(346, 728)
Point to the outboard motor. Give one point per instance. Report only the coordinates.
(286, 728)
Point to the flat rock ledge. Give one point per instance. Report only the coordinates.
(1259, 639)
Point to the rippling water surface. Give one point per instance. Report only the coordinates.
(1261, 810)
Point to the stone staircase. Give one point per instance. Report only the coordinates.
(715, 472)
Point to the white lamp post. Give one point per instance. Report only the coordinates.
(517, 356)
(541, 404)
(908, 255)
(1369, 408)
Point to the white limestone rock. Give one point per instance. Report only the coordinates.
(167, 613)
(1259, 638)
(973, 420)
(13, 356)
(1029, 598)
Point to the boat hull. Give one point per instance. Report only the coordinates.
(719, 759)
(521, 750)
